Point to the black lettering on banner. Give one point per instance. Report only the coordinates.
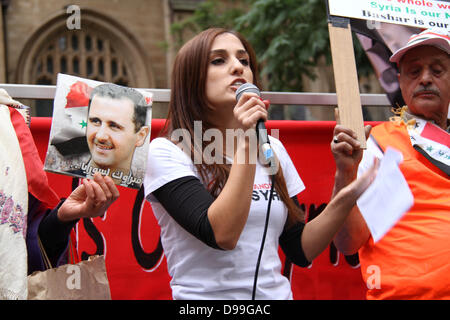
(75, 183)
(91, 230)
(314, 212)
(255, 195)
(96, 236)
(334, 254)
(145, 260)
(353, 259)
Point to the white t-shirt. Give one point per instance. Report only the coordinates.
(201, 272)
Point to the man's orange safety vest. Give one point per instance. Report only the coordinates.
(412, 261)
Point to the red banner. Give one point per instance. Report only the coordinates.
(128, 234)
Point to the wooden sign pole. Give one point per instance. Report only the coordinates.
(346, 78)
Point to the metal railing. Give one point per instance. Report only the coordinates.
(26, 91)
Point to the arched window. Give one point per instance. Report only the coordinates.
(86, 54)
(100, 50)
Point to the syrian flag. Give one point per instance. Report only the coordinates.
(71, 139)
(432, 142)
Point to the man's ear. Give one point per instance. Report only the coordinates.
(142, 135)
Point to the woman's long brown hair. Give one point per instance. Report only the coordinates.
(188, 103)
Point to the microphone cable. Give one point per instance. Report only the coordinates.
(258, 262)
(267, 152)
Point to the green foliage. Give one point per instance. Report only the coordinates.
(289, 36)
(210, 13)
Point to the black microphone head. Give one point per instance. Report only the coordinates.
(247, 87)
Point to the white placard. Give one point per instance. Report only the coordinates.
(416, 13)
(388, 198)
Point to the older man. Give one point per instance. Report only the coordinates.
(412, 261)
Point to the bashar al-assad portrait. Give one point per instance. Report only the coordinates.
(99, 127)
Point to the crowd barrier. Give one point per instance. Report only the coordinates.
(129, 236)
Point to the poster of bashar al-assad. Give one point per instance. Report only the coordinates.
(99, 127)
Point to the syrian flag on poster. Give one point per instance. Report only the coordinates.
(70, 138)
(68, 151)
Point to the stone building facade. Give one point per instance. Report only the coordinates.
(124, 42)
(127, 42)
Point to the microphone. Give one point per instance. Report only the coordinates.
(261, 131)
